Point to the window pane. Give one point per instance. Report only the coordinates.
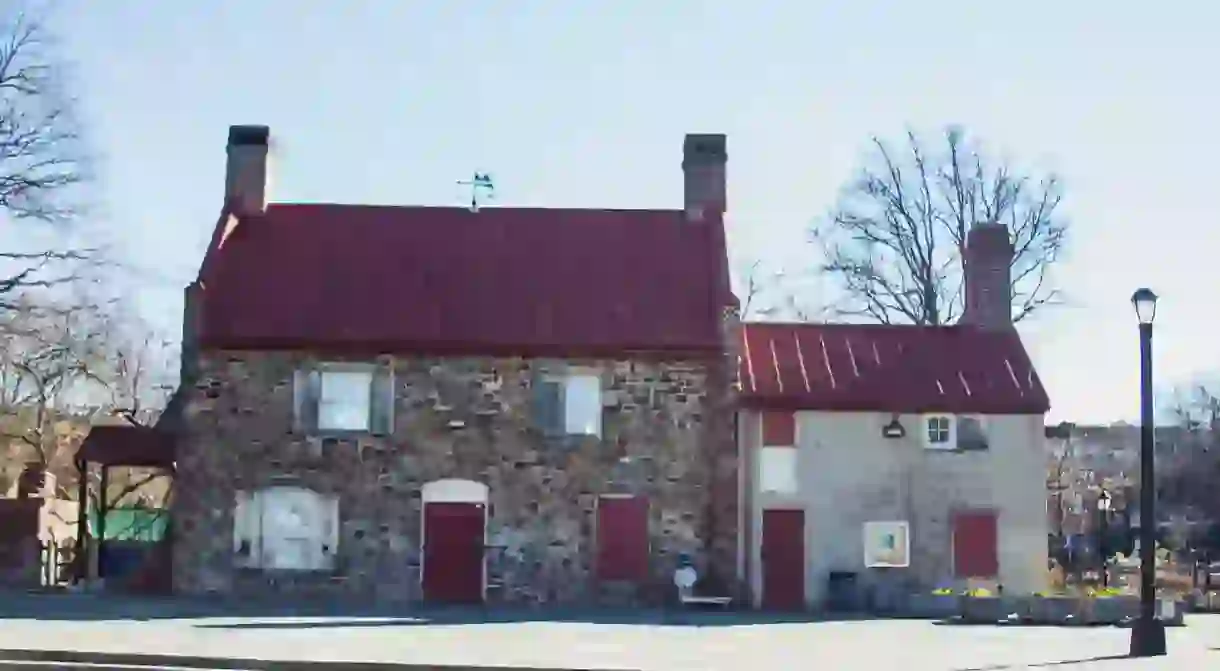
(938, 430)
(344, 403)
(582, 404)
(777, 470)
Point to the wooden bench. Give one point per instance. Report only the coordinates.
(684, 580)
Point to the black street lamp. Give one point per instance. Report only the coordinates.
(1148, 633)
(1103, 532)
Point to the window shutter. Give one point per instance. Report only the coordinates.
(329, 516)
(307, 392)
(381, 401)
(246, 530)
(779, 429)
(971, 433)
(548, 406)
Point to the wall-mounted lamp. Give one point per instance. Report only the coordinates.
(893, 430)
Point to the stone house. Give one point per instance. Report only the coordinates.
(453, 405)
(909, 456)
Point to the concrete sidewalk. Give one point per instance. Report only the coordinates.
(180, 634)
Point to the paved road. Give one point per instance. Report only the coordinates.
(724, 643)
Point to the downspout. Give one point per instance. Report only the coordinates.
(742, 585)
(908, 472)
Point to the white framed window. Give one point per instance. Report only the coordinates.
(570, 404)
(777, 470)
(938, 432)
(344, 397)
(344, 400)
(955, 432)
(285, 529)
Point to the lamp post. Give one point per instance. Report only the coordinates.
(1103, 531)
(1148, 633)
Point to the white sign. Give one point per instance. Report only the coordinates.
(887, 545)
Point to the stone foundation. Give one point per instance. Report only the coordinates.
(664, 437)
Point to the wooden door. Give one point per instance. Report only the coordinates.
(622, 538)
(453, 552)
(783, 559)
(975, 544)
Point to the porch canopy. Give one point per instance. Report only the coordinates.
(109, 446)
(127, 445)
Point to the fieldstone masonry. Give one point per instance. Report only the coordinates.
(667, 434)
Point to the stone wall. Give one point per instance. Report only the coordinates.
(659, 440)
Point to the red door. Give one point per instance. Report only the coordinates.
(622, 538)
(975, 551)
(453, 552)
(783, 559)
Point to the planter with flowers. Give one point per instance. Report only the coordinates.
(982, 605)
(938, 604)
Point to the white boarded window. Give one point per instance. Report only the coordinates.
(777, 470)
(582, 405)
(285, 528)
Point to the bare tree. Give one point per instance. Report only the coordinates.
(1189, 469)
(139, 372)
(46, 354)
(769, 293)
(893, 244)
(1059, 480)
(62, 366)
(42, 156)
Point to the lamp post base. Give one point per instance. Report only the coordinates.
(1148, 638)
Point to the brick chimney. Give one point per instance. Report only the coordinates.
(246, 169)
(704, 156)
(987, 267)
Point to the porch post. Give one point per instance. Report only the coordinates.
(102, 507)
(82, 521)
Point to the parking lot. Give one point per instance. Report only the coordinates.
(631, 641)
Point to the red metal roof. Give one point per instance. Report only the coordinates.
(446, 280)
(909, 369)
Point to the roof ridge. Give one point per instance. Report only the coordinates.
(466, 208)
(855, 325)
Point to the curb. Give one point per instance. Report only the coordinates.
(71, 659)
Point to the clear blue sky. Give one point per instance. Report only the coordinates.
(392, 101)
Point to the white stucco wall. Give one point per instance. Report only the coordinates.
(849, 474)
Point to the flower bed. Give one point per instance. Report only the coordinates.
(1094, 607)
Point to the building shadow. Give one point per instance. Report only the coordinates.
(319, 614)
(1040, 665)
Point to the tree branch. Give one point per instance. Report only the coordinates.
(894, 243)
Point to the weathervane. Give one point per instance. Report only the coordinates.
(479, 183)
